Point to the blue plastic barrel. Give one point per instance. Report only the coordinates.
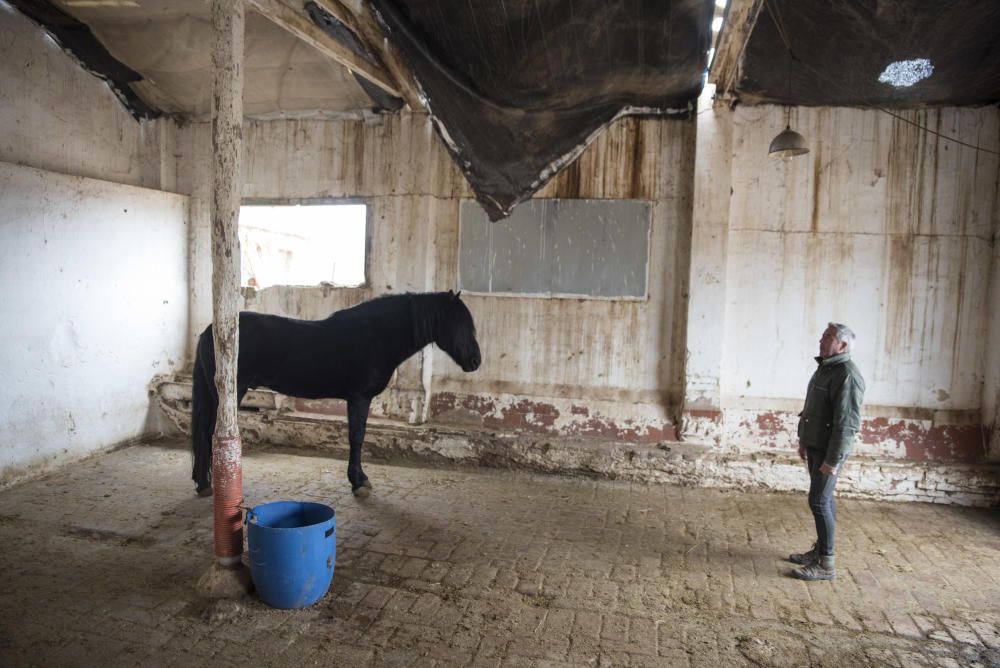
(293, 549)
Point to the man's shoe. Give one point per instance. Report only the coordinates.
(821, 569)
(805, 558)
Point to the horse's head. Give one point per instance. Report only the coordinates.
(455, 333)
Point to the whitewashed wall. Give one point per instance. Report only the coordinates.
(881, 226)
(93, 289)
(93, 304)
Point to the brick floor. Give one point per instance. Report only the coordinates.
(444, 567)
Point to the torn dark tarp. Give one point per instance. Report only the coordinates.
(519, 88)
(75, 37)
(951, 47)
(334, 28)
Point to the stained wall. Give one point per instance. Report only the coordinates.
(579, 366)
(882, 226)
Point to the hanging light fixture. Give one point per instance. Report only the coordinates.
(788, 143)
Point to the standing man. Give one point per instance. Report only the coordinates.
(827, 425)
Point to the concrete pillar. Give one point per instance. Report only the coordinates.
(702, 415)
(227, 577)
(227, 142)
(991, 384)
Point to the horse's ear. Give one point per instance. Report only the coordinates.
(457, 294)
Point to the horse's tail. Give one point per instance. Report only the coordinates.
(204, 405)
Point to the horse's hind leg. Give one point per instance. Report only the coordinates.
(357, 419)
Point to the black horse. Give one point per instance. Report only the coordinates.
(350, 355)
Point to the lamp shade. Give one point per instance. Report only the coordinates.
(787, 143)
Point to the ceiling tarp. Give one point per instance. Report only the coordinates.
(518, 88)
(75, 37)
(332, 26)
(889, 53)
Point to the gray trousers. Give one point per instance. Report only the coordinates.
(821, 502)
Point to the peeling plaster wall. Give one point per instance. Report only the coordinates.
(590, 366)
(881, 226)
(56, 116)
(277, 420)
(93, 303)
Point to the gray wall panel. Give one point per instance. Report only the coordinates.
(562, 247)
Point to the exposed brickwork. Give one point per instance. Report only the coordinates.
(545, 417)
(336, 407)
(914, 439)
(947, 443)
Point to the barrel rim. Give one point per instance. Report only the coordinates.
(253, 522)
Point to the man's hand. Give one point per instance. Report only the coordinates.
(802, 453)
(827, 470)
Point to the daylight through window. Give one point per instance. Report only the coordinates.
(302, 244)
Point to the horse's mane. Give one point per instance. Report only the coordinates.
(423, 307)
(428, 301)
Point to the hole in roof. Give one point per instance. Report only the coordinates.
(905, 73)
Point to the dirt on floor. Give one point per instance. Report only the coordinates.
(463, 567)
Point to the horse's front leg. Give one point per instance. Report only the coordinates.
(357, 418)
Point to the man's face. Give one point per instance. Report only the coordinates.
(829, 345)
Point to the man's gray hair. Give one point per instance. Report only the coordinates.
(844, 334)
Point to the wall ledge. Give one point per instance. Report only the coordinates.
(671, 462)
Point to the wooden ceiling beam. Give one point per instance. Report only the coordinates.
(295, 21)
(339, 11)
(366, 27)
(741, 17)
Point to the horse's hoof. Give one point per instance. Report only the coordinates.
(363, 491)
(204, 491)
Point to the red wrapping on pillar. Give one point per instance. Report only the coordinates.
(227, 483)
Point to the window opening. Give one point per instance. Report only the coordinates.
(303, 244)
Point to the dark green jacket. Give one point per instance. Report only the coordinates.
(832, 414)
